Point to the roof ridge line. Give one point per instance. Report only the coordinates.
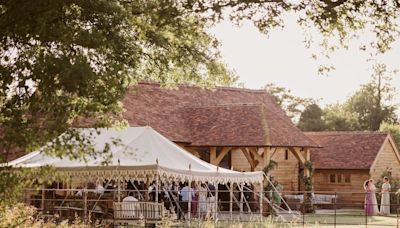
(214, 87)
(345, 132)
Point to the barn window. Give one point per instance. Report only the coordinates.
(347, 178)
(332, 178)
(339, 178)
(286, 155)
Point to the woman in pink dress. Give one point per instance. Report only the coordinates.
(369, 207)
(195, 200)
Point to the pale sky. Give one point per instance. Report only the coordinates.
(282, 59)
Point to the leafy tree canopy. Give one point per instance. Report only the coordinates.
(65, 59)
(393, 129)
(311, 119)
(373, 102)
(291, 104)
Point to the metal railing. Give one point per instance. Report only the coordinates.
(224, 205)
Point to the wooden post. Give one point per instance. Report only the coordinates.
(308, 158)
(213, 154)
(267, 156)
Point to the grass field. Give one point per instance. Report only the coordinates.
(344, 218)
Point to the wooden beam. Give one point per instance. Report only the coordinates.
(213, 155)
(298, 155)
(267, 156)
(248, 157)
(192, 151)
(222, 154)
(256, 154)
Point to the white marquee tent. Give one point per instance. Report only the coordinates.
(142, 153)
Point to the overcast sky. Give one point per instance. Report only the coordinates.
(282, 59)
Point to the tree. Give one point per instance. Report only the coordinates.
(292, 105)
(60, 60)
(311, 119)
(393, 129)
(373, 102)
(338, 118)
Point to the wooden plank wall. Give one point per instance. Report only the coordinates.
(286, 173)
(351, 195)
(386, 160)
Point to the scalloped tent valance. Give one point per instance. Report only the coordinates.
(141, 153)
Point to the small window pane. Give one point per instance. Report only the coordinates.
(332, 178)
(347, 178)
(339, 178)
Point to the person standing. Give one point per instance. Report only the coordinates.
(276, 194)
(202, 192)
(385, 201)
(368, 200)
(195, 199)
(372, 193)
(211, 207)
(186, 193)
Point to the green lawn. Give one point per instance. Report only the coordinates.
(319, 220)
(310, 220)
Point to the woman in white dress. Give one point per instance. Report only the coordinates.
(372, 189)
(202, 191)
(385, 200)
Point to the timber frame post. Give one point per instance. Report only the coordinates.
(258, 158)
(216, 158)
(302, 159)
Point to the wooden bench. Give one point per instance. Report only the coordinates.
(138, 210)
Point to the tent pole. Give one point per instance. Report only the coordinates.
(198, 199)
(261, 199)
(230, 199)
(43, 196)
(119, 190)
(241, 200)
(157, 188)
(216, 202)
(189, 201)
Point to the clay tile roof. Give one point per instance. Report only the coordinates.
(221, 117)
(346, 150)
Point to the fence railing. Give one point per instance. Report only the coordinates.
(328, 208)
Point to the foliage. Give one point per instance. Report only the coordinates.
(338, 118)
(372, 103)
(67, 59)
(20, 215)
(311, 119)
(292, 105)
(271, 166)
(307, 181)
(394, 184)
(393, 129)
(13, 182)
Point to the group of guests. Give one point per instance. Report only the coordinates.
(200, 198)
(179, 197)
(371, 203)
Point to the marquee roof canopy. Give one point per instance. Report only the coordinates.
(141, 152)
